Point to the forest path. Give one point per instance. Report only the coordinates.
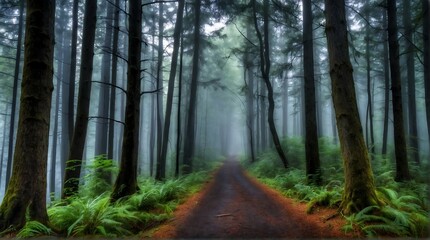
(234, 205)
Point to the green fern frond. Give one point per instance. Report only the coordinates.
(33, 229)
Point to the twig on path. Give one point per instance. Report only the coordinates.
(330, 216)
(224, 215)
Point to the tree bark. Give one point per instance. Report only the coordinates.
(371, 141)
(26, 192)
(160, 166)
(176, 40)
(178, 132)
(112, 99)
(313, 169)
(402, 169)
(126, 182)
(265, 71)
(189, 143)
(359, 191)
(386, 89)
(103, 101)
(74, 163)
(426, 43)
(410, 65)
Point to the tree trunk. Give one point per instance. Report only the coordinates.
(426, 43)
(386, 89)
(72, 78)
(359, 191)
(285, 105)
(176, 40)
(178, 133)
(265, 71)
(189, 143)
(161, 166)
(74, 163)
(402, 169)
(10, 152)
(410, 65)
(103, 101)
(26, 193)
(371, 143)
(313, 170)
(126, 182)
(248, 75)
(113, 82)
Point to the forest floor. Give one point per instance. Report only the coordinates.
(235, 205)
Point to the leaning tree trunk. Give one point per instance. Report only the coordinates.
(265, 71)
(26, 193)
(402, 169)
(359, 191)
(313, 170)
(74, 163)
(126, 182)
(161, 168)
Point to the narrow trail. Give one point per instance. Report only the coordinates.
(234, 205)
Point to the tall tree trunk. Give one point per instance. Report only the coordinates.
(248, 75)
(10, 152)
(112, 99)
(74, 164)
(426, 43)
(371, 143)
(313, 169)
(410, 64)
(189, 143)
(72, 78)
(359, 191)
(178, 133)
(402, 169)
(126, 182)
(265, 71)
(263, 118)
(26, 193)
(176, 40)
(103, 101)
(285, 105)
(161, 166)
(386, 87)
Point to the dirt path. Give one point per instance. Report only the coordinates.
(234, 205)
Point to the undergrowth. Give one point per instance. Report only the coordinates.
(91, 213)
(406, 204)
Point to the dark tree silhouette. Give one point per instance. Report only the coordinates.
(26, 193)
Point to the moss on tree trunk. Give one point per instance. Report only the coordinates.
(27, 188)
(359, 189)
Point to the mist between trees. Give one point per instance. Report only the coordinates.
(162, 87)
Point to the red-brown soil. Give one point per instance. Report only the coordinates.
(235, 205)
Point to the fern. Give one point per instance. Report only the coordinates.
(34, 229)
